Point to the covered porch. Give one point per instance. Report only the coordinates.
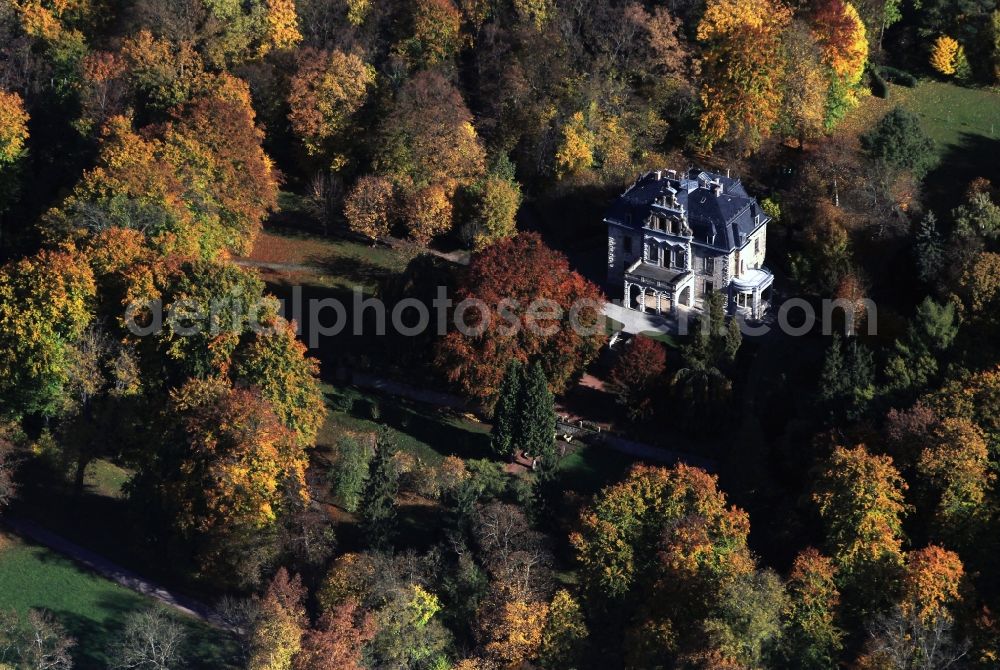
(750, 293)
(658, 290)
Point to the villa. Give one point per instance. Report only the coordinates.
(673, 239)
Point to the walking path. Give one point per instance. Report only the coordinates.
(112, 571)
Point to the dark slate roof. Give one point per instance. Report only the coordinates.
(716, 221)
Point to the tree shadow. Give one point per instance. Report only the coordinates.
(973, 156)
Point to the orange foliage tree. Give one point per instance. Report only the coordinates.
(860, 498)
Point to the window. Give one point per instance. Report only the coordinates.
(756, 245)
(709, 265)
(627, 242)
(709, 287)
(675, 258)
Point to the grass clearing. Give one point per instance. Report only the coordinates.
(92, 609)
(426, 432)
(949, 113)
(338, 262)
(105, 478)
(963, 122)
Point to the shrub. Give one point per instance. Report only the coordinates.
(879, 87)
(897, 76)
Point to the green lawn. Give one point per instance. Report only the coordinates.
(963, 122)
(949, 113)
(91, 608)
(422, 430)
(590, 468)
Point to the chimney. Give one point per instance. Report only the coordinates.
(727, 173)
(717, 188)
(659, 175)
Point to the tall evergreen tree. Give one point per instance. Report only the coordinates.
(378, 504)
(847, 382)
(505, 413)
(928, 249)
(536, 418)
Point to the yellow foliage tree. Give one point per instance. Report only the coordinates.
(514, 629)
(282, 30)
(576, 150)
(326, 92)
(740, 96)
(428, 213)
(368, 207)
(945, 55)
(13, 128)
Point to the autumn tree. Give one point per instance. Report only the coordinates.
(428, 137)
(945, 55)
(104, 88)
(325, 95)
(741, 95)
(745, 627)
(216, 142)
(860, 498)
(409, 631)
(638, 375)
(565, 634)
(656, 549)
(804, 87)
(812, 639)
(369, 207)
(281, 30)
(223, 477)
(164, 72)
(337, 640)
(276, 362)
(956, 466)
(276, 637)
(537, 289)
(512, 630)
(13, 136)
(919, 632)
(46, 304)
(841, 36)
(427, 213)
(497, 197)
(436, 35)
(207, 308)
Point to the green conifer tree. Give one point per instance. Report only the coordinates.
(378, 503)
(536, 418)
(504, 435)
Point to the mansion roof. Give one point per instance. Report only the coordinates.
(717, 209)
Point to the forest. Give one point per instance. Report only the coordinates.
(277, 500)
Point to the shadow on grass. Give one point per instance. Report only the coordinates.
(974, 156)
(355, 270)
(438, 429)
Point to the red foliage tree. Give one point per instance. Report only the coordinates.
(637, 374)
(512, 278)
(337, 640)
